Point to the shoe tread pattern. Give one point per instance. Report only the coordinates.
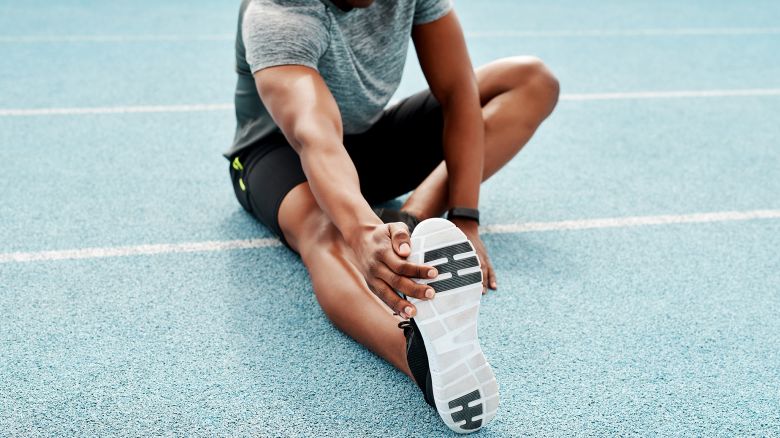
(460, 374)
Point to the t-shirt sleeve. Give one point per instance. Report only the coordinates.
(426, 11)
(292, 34)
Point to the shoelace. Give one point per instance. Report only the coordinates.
(406, 325)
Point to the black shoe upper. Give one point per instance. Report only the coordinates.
(387, 215)
(417, 358)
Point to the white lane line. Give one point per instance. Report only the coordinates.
(681, 94)
(115, 109)
(116, 38)
(632, 221)
(581, 97)
(584, 33)
(604, 33)
(527, 227)
(122, 251)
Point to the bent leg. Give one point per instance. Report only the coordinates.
(339, 287)
(516, 94)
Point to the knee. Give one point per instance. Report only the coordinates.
(323, 252)
(533, 74)
(318, 235)
(303, 223)
(544, 82)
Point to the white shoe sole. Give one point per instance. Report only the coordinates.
(464, 387)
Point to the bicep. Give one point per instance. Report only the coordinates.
(300, 103)
(441, 50)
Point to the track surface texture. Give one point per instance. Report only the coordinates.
(173, 312)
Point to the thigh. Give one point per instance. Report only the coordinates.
(264, 176)
(410, 130)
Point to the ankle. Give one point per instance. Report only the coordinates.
(416, 213)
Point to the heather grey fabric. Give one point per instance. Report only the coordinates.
(360, 53)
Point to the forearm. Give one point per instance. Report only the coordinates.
(301, 105)
(334, 182)
(464, 143)
(441, 48)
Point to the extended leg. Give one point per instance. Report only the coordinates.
(340, 288)
(517, 94)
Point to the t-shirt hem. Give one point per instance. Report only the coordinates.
(280, 62)
(433, 15)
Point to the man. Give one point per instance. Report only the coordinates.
(315, 146)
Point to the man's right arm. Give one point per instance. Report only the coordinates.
(304, 109)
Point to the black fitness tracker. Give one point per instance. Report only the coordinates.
(463, 213)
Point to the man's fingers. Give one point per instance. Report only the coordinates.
(484, 278)
(487, 271)
(393, 301)
(411, 270)
(489, 274)
(492, 277)
(399, 235)
(407, 286)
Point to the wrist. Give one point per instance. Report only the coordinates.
(467, 225)
(356, 233)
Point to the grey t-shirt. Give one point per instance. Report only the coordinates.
(359, 53)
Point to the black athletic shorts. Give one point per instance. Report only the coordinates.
(264, 173)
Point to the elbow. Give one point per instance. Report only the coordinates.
(315, 131)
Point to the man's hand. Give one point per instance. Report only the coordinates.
(303, 107)
(381, 256)
(471, 230)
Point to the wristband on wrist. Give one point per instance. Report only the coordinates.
(463, 213)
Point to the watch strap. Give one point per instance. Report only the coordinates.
(464, 213)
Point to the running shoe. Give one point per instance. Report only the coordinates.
(459, 381)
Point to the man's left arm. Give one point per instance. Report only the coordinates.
(441, 49)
